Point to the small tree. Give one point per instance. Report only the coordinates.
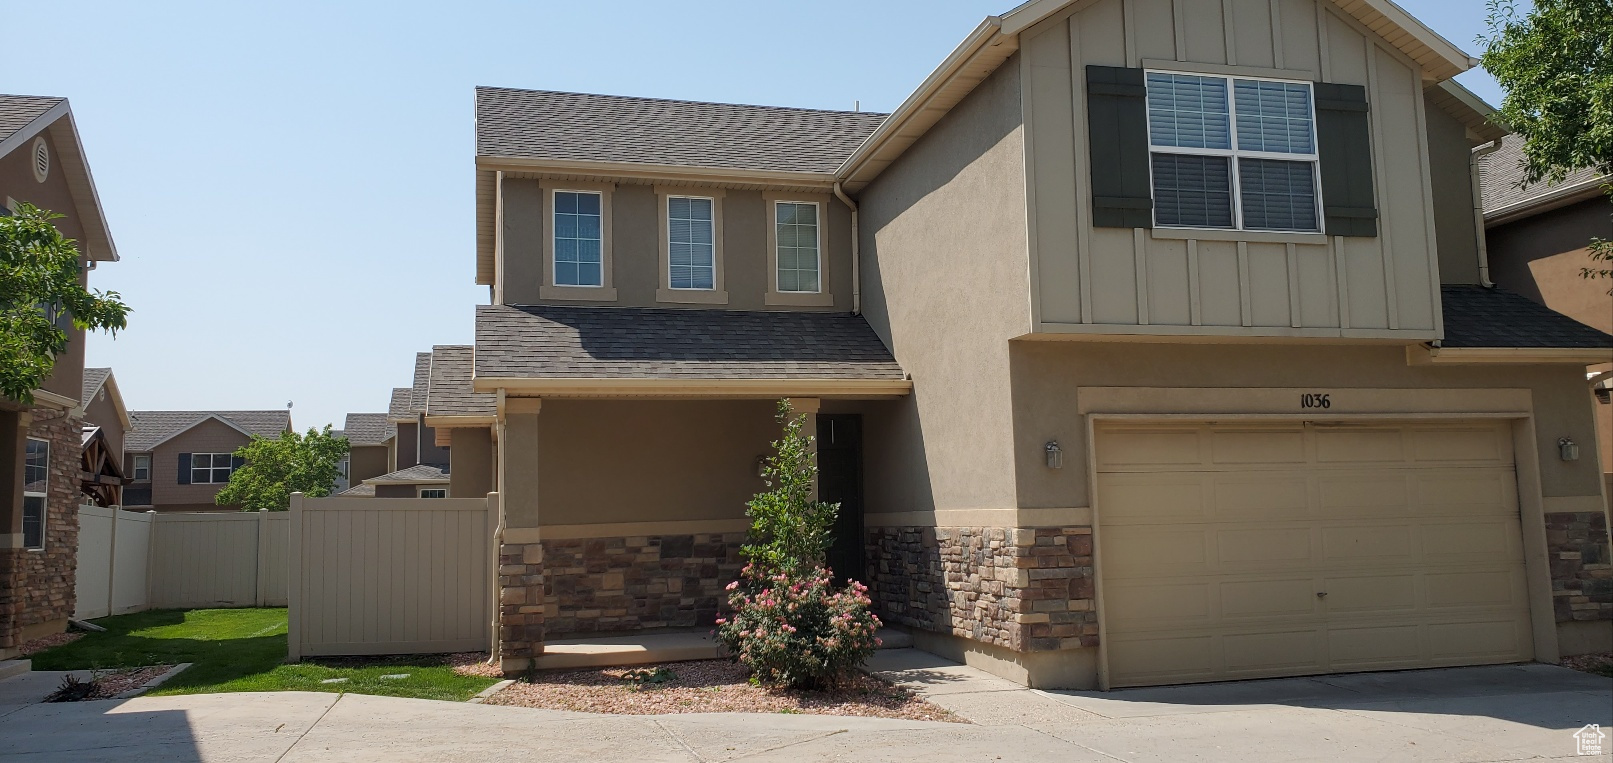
(39, 274)
(1556, 66)
(789, 531)
(274, 469)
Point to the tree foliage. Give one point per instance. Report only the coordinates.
(789, 531)
(274, 469)
(39, 274)
(1556, 65)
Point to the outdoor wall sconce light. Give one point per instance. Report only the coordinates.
(761, 466)
(1055, 455)
(1568, 449)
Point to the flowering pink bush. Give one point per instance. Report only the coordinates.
(800, 630)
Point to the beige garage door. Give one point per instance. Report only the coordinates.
(1235, 551)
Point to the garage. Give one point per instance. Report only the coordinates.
(1259, 548)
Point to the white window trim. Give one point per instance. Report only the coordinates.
(718, 293)
(424, 490)
(820, 298)
(44, 499)
(547, 288)
(209, 469)
(1234, 153)
(134, 469)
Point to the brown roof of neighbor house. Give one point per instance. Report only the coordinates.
(622, 342)
(414, 474)
(368, 429)
(544, 124)
(19, 111)
(1479, 317)
(1501, 181)
(398, 407)
(151, 428)
(422, 382)
(451, 393)
(93, 379)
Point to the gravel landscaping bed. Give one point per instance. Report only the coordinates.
(474, 664)
(708, 686)
(107, 684)
(1599, 664)
(38, 645)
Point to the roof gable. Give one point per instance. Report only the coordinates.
(368, 429)
(149, 429)
(398, 407)
(22, 118)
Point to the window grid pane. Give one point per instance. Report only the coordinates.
(691, 248)
(1192, 191)
(36, 467)
(1277, 195)
(33, 522)
(1273, 116)
(578, 239)
(1188, 111)
(797, 233)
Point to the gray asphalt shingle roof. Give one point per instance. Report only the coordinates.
(1480, 317)
(422, 382)
(368, 429)
(1501, 173)
(19, 111)
(358, 491)
(451, 393)
(417, 473)
(623, 342)
(149, 428)
(544, 124)
(398, 408)
(93, 379)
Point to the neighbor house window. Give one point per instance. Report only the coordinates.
(433, 492)
(799, 247)
(142, 468)
(1233, 153)
(210, 468)
(35, 489)
(578, 239)
(691, 243)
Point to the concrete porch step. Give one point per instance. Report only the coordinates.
(9, 668)
(647, 648)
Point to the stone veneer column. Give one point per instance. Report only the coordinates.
(520, 562)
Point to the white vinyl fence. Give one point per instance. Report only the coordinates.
(132, 561)
(391, 575)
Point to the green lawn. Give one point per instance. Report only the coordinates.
(244, 650)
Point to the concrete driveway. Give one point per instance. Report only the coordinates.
(1477, 714)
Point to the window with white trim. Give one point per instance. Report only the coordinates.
(35, 493)
(433, 492)
(578, 238)
(210, 468)
(142, 468)
(691, 243)
(1233, 153)
(799, 246)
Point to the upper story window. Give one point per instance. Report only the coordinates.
(578, 239)
(35, 493)
(691, 243)
(799, 247)
(1232, 152)
(142, 468)
(210, 468)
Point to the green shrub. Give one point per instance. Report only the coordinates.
(798, 629)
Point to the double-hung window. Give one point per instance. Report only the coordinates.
(142, 468)
(691, 243)
(799, 247)
(35, 492)
(1232, 153)
(210, 468)
(578, 239)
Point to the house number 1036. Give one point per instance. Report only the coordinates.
(1311, 400)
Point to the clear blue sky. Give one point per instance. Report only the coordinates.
(290, 184)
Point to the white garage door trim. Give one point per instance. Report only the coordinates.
(1529, 534)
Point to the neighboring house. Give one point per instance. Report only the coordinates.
(179, 460)
(416, 441)
(1142, 344)
(370, 439)
(463, 419)
(106, 421)
(419, 481)
(41, 445)
(1538, 237)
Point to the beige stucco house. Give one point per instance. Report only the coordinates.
(1146, 342)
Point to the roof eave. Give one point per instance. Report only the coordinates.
(1423, 355)
(98, 245)
(1556, 198)
(594, 387)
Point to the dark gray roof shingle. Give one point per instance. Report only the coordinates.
(626, 343)
(368, 429)
(543, 124)
(1480, 317)
(398, 408)
(418, 473)
(93, 379)
(19, 111)
(1501, 176)
(148, 428)
(451, 393)
(360, 490)
(422, 382)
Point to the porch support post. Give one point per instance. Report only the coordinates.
(520, 555)
(807, 409)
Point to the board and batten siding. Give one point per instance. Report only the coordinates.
(1090, 279)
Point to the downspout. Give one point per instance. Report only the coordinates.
(856, 257)
(1478, 209)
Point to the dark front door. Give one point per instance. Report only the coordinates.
(840, 480)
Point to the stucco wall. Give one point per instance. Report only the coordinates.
(167, 494)
(366, 461)
(430, 451)
(471, 475)
(945, 285)
(1449, 164)
(407, 452)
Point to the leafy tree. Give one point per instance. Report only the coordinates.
(789, 531)
(39, 274)
(275, 469)
(1556, 65)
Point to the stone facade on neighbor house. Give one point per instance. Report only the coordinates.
(1581, 571)
(37, 586)
(1025, 589)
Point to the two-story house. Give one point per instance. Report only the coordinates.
(417, 453)
(106, 423)
(179, 460)
(370, 437)
(42, 163)
(1145, 342)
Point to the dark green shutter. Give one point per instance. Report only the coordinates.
(1344, 146)
(184, 468)
(1117, 138)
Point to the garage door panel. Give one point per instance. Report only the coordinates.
(1498, 588)
(1147, 604)
(1176, 497)
(1192, 657)
(1481, 445)
(1295, 650)
(1359, 446)
(1465, 492)
(1150, 448)
(1345, 495)
(1293, 597)
(1266, 495)
(1154, 551)
(1381, 543)
(1476, 541)
(1374, 646)
(1495, 640)
(1240, 547)
(1371, 594)
(1263, 447)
